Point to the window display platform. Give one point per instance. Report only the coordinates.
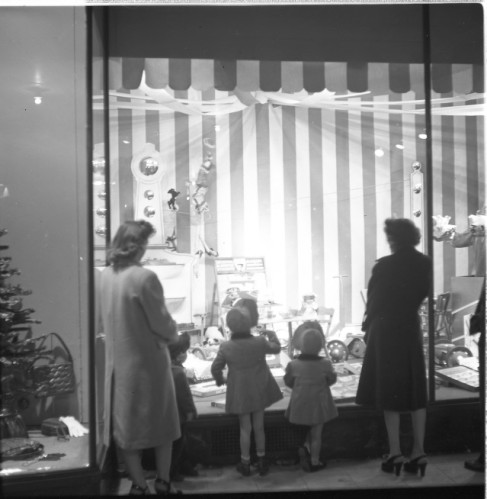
(61, 469)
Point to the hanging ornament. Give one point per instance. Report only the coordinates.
(172, 202)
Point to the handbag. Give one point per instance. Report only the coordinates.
(49, 375)
(19, 449)
(53, 427)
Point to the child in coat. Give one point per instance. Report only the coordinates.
(187, 410)
(250, 384)
(311, 404)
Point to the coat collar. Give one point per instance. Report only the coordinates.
(240, 335)
(308, 356)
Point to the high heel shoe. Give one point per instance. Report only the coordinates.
(392, 464)
(137, 490)
(417, 464)
(163, 488)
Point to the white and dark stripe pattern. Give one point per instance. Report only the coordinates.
(304, 189)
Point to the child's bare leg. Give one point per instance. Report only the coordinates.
(259, 434)
(245, 431)
(315, 443)
(307, 441)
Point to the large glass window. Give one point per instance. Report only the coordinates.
(270, 165)
(458, 168)
(272, 178)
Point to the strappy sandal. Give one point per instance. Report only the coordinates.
(137, 490)
(393, 464)
(163, 488)
(418, 464)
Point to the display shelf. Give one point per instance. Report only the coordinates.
(58, 455)
(461, 376)
(207, 389)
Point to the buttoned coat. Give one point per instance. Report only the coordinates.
(250, 384)
(393, 375)
(311, 402)
(140, 400)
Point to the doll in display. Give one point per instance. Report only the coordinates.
(309, 307)
(232, 295)
(473, 236)
(199, 196)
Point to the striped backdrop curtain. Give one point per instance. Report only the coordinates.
(304, 187)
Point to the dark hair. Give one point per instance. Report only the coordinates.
(402, 232)
(251, 307)
(181, 346)
(131, 236)
(238, 320)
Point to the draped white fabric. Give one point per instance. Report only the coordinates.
(298, 178)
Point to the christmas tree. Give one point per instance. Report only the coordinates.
(16, 349)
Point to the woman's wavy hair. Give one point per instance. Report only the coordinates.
(131, 236)
(402, 232)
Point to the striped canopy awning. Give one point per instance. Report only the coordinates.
(288, 76)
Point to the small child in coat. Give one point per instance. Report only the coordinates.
(187, 410)
(311, 404)
(250, 384)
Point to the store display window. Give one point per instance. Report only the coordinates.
(271, 179)
(267, 168)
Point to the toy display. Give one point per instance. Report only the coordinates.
(461, 376)
(473, 236)
(202, 183)
(309, 307)
(207, 349)
(172, 202)
(449, 355)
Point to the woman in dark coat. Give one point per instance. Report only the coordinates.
(393, 377)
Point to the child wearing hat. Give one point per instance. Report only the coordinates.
(251, 386)
(186, 407)
(311, 404)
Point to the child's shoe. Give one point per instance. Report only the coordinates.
(316, 467)
(262, 466)
(243, 468)
(164, 488)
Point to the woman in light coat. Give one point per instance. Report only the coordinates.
(140, 402)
